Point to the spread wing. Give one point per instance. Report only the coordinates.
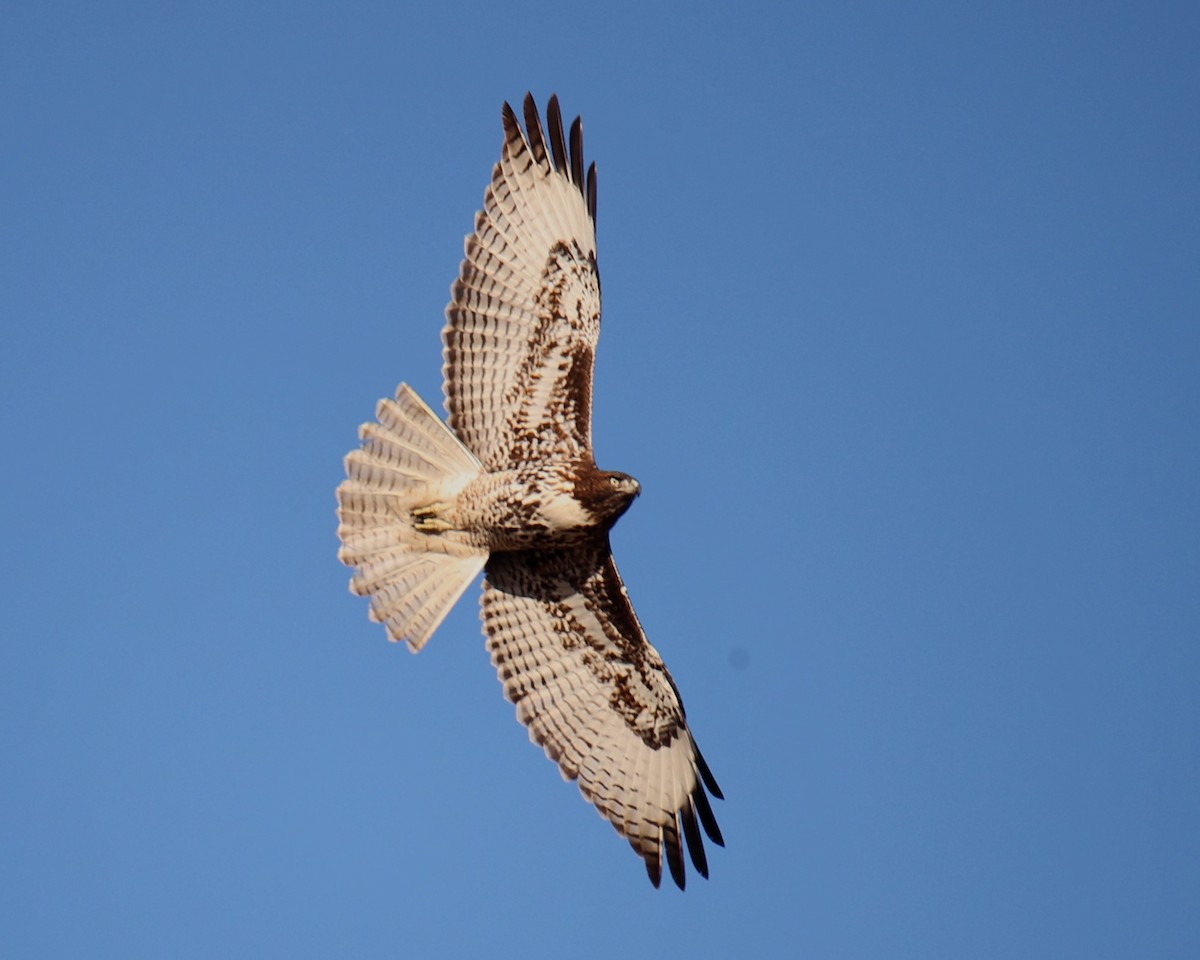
(524, 317)
(596, 695)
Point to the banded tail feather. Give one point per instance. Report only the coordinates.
(412, 572)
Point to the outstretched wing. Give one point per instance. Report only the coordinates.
(596, 695)
(524, 317)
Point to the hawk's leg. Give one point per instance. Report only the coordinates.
(428, 518)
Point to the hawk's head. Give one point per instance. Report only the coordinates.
(605, 494)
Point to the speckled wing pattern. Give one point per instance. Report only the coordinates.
(597, 697)
(519, 353)
(524, 317)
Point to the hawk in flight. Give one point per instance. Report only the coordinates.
(510, 487)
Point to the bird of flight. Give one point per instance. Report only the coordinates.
(510, 487)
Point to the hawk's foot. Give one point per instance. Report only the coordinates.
(428, 518)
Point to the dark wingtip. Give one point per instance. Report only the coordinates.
(695, 844)
(564, 153)
(707, 820)
(706, 775)
(533, 129)
(654, 870)
(510, 120)
(577, 153)
(554, 124)
(675, 862)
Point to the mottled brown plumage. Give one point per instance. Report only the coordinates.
(511, 486)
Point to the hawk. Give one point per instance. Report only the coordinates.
(509, 486)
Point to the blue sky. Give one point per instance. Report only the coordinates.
(901, 338)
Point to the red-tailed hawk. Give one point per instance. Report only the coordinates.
(510, 487)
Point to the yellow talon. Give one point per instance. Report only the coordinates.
(426, 519)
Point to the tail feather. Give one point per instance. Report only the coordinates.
(410, 442)
(408, 459)
(414, 600)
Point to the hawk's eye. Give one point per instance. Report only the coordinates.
(615, 481)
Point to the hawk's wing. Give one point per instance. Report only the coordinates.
(596, 695)
(525, 311)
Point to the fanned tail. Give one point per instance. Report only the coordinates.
(409, 459)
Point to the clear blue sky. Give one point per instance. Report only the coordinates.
(902, 338)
